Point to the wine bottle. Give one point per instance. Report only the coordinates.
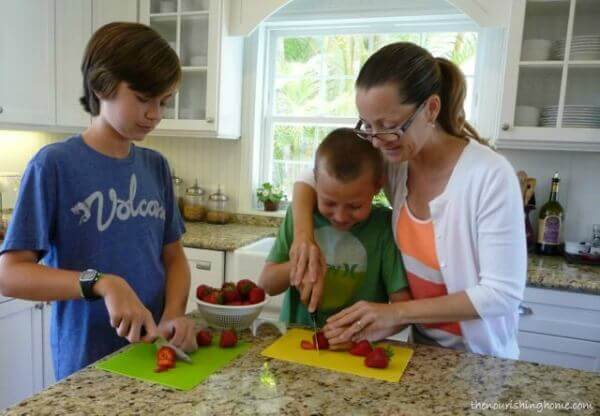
(550, 224)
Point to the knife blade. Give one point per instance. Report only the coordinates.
(179, 353)
(313, 316)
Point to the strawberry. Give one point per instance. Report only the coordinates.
(202, 291)
(320, 340)
(165, 357)
(244, 286)
(378, 358)
(228, 285)
(228, 338)
(160, 369)
(204, 337)
(307, 345)
(234, 303)
(361, 348)
(230, 294)
(256, 295)
(214, 297)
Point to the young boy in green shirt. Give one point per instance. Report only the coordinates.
(355, 237)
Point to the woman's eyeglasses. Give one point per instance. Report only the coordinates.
(389, 135)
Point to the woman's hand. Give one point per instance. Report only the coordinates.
(127, 313)
(180, 332)
(364, 320)
(308, 269)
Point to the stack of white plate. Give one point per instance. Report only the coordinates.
(583, 47)
(583, 116)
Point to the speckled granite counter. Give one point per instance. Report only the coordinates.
(556, 273)
(243, 230)
(437, 382)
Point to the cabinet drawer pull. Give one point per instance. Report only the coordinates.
(525, 310)
(203, 265)
(39, 306)
(505, 126)
(1, 109)
(210, 120)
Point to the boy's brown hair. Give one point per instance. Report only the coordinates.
(345, 156)
(129, 52)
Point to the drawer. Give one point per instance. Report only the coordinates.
(563, 314)
(206, 267)
(559, 351)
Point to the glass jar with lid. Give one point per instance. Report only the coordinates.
(178, 191)
(218, 207)
(194, 208)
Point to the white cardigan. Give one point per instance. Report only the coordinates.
(480, 243)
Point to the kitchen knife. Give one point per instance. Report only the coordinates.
(313, 316)
(161, 342)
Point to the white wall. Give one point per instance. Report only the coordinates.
(579, 191)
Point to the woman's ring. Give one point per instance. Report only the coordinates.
(358, 324)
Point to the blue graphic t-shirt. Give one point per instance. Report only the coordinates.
(81, 209)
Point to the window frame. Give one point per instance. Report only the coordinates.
(276, 30)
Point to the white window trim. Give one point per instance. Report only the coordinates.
(263, 44)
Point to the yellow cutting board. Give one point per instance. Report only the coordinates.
(287, 348)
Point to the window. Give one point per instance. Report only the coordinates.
(310, 85)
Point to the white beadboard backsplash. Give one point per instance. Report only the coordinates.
(215, 162)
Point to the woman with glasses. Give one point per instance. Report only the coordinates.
(457, 212)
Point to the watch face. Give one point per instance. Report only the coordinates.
(88, 275)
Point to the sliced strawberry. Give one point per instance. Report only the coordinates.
(160, 369)
(228, 338)
(307, 345)
(320, 340)
(204, 337)
(378, 358)
(256, 295)
(361, 348)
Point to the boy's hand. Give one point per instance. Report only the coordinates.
(127, 313)
(180, 332)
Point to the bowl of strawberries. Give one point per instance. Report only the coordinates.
(234, 305)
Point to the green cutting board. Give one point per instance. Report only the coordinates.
(139, 361)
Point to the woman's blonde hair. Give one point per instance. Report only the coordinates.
(418, 75)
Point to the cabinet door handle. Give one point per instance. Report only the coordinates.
(39, 306)
(1, 109)
(203, 265)
(505, 126)
(525, 310)
(210, 120)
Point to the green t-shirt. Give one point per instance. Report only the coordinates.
(363, 264)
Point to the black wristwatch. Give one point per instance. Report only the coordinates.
(87, 280)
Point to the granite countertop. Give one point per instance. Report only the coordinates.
(437, 381)
(241, 231)
(549, 272)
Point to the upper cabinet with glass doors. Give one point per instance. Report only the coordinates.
(208, 103)
(552, 78)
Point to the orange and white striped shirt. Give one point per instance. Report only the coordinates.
(416, 241)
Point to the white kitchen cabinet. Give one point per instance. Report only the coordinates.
(246, 15)
(27, 56)
(73, 30)
(545, 86)
(48, 365)
(206, 267)
(106, 11)
(208, 103)
(560, 328)
(21, 352)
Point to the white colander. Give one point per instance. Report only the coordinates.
(226, 317)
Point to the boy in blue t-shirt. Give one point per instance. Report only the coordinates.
(100, 212)
(356, 239)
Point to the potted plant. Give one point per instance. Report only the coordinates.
(270, 196)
